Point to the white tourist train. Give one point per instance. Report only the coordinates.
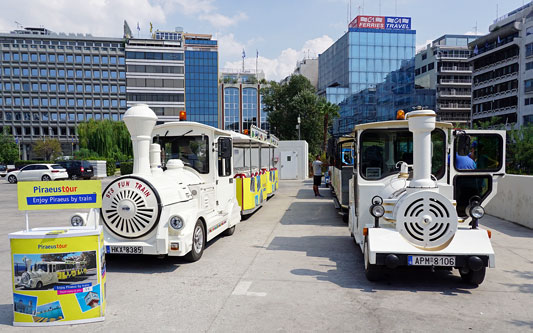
(417, 192)
(176, 205)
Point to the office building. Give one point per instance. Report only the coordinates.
(372, 47)
(308, 68)
(50, 82)
(444, 66)
(502, 64)
(241, 101)
(156, 74)
(371, 50)
(201, 79)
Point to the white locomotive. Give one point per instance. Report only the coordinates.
(174, 211)
(417, 192)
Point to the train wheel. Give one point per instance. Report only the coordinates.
(474, 278)
(229, 231)
(198, 242)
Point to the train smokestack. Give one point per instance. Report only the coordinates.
(421, 124)
(140, 121)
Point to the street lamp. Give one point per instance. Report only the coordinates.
(298, 127)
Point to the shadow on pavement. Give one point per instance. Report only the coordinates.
(6, 314)
(348, 268)
(312, 213)
(522, 323)
(307, 193)
(508, 228)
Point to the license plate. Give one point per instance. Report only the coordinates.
(430, 261)
(124, 249)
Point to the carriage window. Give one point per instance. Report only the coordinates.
(191, 150)
(485, 154)
(381, 150)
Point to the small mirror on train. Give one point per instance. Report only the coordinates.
(463, 145)
(224, 148)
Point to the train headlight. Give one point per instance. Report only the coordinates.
(476, 211)
(377, 210)
(176, 222)
(77, 220)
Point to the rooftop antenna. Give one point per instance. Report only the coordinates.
(350, 10)
(497, 11)
(475, 28)
(19, 25)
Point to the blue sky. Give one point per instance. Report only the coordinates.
(282, 31)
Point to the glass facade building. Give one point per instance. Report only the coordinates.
(370, 61)
(201, 79)
(50, 82)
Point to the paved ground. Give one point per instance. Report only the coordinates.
(293, 267)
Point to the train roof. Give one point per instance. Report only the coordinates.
(395, 124)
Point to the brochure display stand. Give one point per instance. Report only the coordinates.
(58, 274)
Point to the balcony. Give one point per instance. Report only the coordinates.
(464, 82)
(494, 81)
(499, 95)
(454, 94)
(454, 106)
(497, 63)
(494, 112)
(456, 69)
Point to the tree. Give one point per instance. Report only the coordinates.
(8, 148)
(284, 103)
(520, 150)
(107, 138)
(48, 149)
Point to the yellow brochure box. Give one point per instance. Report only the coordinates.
(58, 276)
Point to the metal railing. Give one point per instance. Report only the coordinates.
(463, 81)
(454, 106)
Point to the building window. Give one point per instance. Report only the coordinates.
(231, 109)
(529, 49)
(528, 85)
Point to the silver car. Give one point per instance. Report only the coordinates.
(32, 172)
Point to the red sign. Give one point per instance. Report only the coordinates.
(368, 22)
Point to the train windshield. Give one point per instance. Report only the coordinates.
(191, 150)
(381, 150)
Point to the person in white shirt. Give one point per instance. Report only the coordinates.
(317, 175)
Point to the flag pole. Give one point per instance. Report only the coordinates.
(256, 59)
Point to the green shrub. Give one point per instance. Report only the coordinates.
(110, 167)
(126, 168)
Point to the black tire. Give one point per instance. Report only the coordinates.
(46, 178)
(372, 272)
(198, 242)
(12, 179)
(39, 285)
(474, 278)
(229, 231)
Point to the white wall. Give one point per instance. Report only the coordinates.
(302, 149)
(514, 200)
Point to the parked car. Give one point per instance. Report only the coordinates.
(78, 169)
(3, 170)
(44, 172)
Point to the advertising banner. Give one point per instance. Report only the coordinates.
(59, 195)
(58, 276)
(381, 22)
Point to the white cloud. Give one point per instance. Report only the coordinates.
(423, 46)
(282, 65)
(228, 47)
(98, 17)
(105, 17)
(221, 21)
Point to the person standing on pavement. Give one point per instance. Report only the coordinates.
(317, 175)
